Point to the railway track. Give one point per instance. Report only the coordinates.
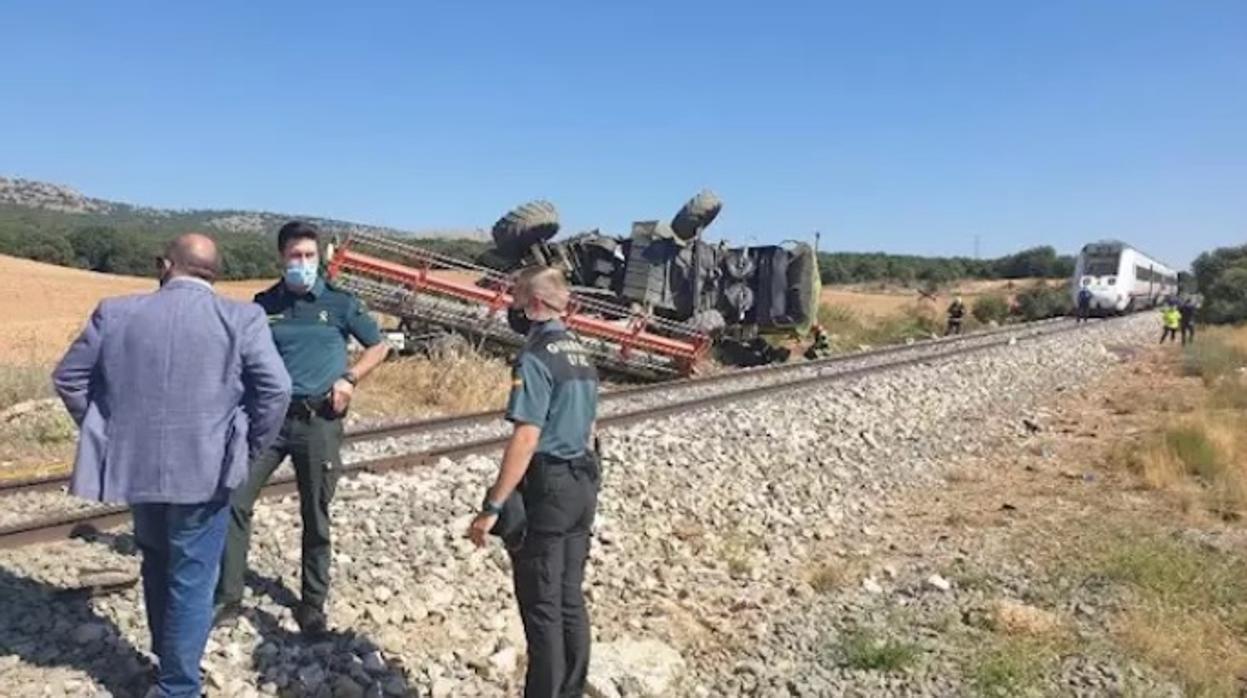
(484, 432)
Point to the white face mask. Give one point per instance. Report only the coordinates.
(301, 274)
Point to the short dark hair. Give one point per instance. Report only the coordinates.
(296, 230)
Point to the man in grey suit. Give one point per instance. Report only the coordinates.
(173, 391)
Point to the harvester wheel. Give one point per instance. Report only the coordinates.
(524, 226)
(694, 216)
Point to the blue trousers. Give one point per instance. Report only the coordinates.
(182, 546)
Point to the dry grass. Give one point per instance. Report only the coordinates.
(416, 387)
(849, 330)
(45, 306)
(1219, 355)
(881, 300)
(1199, 454)
(1187, 608)
(832, 575)
(1188, 614)
(1205, 450)
(20, 382)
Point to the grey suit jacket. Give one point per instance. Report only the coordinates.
(172, 391)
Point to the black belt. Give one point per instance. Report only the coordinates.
(306, 407)
(587, 461)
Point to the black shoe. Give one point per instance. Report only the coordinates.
(311, 620)
(224, 613)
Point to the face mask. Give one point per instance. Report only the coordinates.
(300, 275)
(518, 320)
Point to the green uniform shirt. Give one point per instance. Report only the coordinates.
(555, 388)
(311, 330)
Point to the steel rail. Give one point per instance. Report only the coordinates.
(52, 483)
(62, 526)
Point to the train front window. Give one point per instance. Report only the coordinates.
(1101, 265)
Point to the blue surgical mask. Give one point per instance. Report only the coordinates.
(301, 275)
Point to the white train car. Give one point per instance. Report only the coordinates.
(1121, 278)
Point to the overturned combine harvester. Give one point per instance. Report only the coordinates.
(650, 305)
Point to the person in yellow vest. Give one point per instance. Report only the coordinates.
(1171, 318)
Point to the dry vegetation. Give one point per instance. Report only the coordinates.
(1115, 533)
(1155, 529)
(45, 306)
(421, 387)
(881, 300)
(1199, 450)
(1187, 602)
(849, 330)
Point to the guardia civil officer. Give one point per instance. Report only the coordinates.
(311, 322)
(551, 465)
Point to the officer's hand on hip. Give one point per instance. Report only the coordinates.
(480, 528)
(341, 394)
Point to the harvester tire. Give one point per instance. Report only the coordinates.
(524, 226)
(696, 215)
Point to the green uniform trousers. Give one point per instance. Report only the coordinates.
(314, 443)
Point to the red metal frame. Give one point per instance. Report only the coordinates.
(633, 336)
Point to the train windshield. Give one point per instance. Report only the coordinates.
(1101, 264)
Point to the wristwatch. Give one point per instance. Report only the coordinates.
(491, 509)
(349, 377)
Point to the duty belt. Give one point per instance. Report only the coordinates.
(306, 407)
(585, 462)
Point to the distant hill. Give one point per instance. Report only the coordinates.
(17, 194)
(58, 225)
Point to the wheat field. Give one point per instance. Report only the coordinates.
(43, 307)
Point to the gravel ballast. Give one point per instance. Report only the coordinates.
(708, 524)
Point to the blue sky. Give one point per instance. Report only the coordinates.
(896, 126)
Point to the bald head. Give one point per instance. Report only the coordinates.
(193, 254)
(541, 291)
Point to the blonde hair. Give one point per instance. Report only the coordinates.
(544, 284)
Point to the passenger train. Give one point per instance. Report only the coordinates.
(1121, 278)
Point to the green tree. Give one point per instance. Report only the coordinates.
(1226, 299)
(94, 247)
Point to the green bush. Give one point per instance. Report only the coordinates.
(1221, 276)
(1226, 300)
(1041, 301)
(990, 309)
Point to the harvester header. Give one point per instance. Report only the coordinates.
(419, 286)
